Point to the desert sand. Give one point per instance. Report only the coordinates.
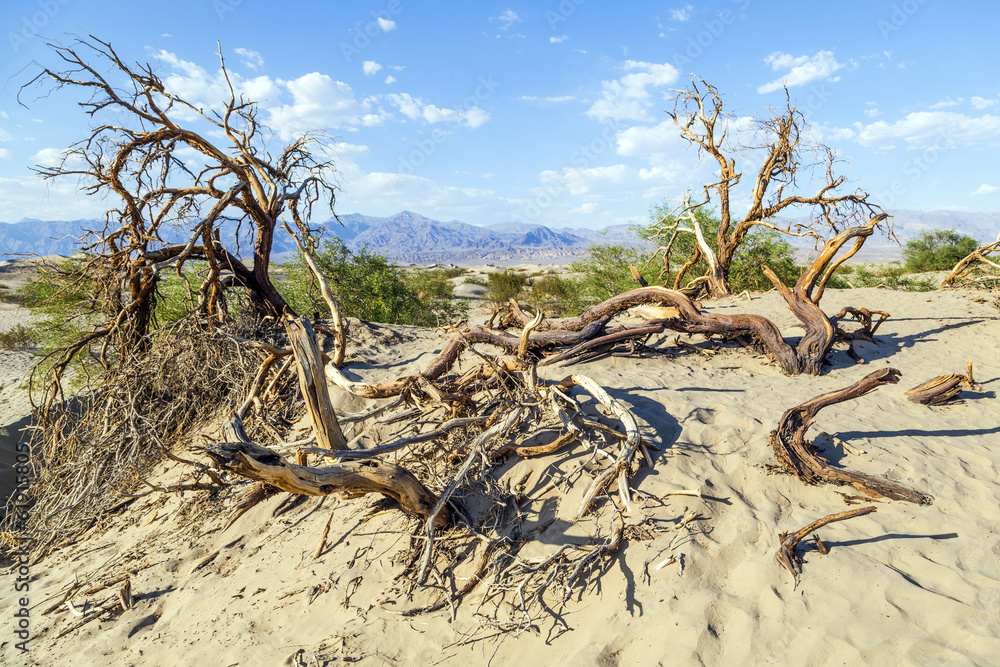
(907, 584)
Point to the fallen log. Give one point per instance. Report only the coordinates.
(796, 454)
(349, 479)
(789, 541)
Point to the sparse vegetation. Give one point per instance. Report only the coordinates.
(892, 276)
(19, 337)
(367, 286)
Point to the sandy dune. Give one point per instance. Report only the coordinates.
(905, 585)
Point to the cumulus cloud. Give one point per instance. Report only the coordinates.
(558, 38)
(628, 98)
(390, 79)
(4, 153)
(320, 102)
(924, 129)
(251, 59)
(985, 189)
(801, 69)
(370, 67)
(386, 24)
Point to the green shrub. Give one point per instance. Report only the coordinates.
(937, 250)
(368, 287)
(505, 285)
(605, 272)
(556, 296)
(891, 276)
(19, 337)
(761, 245)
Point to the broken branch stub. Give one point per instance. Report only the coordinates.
(796, 454)
(789, 541)
(312, 379)
(942, 389)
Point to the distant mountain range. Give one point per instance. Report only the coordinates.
(412, 238)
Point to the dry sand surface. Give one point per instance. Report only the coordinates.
(908, 584)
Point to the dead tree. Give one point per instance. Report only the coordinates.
(138, 155)
(806, 356)
(787, 156)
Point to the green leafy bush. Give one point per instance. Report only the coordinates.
(19, 337)
(760, 246)
(368, 287)
(556, 296)
(605, 272)
(891, 276)
(505, 285)
(937, 250)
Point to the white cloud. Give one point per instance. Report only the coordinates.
(558, 38)
(682, 14)
(560, 98)
(319, 102)
(985, 189)
(387, 25)
(506, 19)
(414, 108)
(872, 112)
(981, 103)
(251, 59)
(3, 114)
(924, 129)
(53, 157)
(4, 153)
(369, 67)
(4, 135)
(627, 98)
(947, 102)
(801, 69)
(390, 79)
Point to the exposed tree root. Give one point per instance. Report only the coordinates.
(797, 455)
(787, 556)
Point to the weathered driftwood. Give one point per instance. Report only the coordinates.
(312, 380)
(789, 541)
(349, 479)
(796, 453)
(942, 389)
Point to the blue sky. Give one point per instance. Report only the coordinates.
(545, 112)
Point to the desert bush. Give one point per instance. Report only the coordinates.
(892, 276)
(761, 245)
(19, 337)
(505, 285)
(605, 272)
(368, 287)
(556, 296)
(937, 250)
